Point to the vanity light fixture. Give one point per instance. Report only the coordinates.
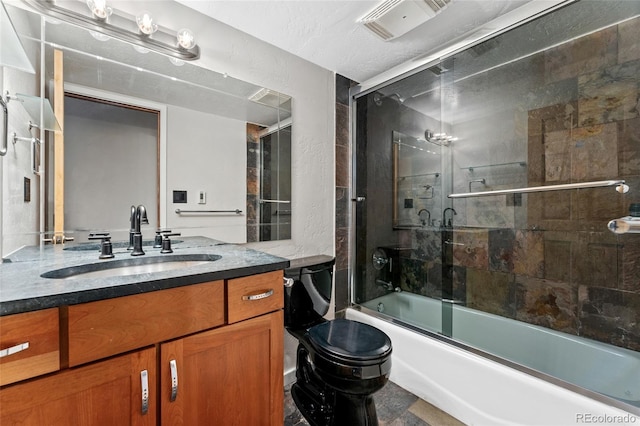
(186, 39)
(141, 31)
(146, 23)
(99, 9)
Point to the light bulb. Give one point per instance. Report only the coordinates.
(186, 39)
(146, 23)
(99, 8)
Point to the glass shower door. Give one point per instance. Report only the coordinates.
(399, 156)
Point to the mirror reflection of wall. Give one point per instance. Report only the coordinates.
(275, 185)
(114, 148)
(268, 183)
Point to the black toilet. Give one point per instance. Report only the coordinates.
(340, 363)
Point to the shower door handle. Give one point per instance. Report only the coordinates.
(358, 199)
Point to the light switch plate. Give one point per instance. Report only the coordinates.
(202, 197)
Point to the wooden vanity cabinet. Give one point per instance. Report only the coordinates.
(29, 345)
(229, 376)
(197, 373)
(104, 393)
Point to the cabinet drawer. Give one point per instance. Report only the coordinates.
(249, 297)
(30, 344)
(108, 327)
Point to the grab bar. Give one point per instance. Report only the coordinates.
(236, 211)
(35, 145)
(619, 184)
(275, 201)
(5, 113)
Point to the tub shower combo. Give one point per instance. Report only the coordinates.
(496, 214)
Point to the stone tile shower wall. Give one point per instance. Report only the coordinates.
(547, 258)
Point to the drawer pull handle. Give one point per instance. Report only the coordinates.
(264, 295)
(174, 379)
(144, 380)
(14, 349)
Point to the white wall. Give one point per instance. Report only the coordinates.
(210, 158)
(114, 149)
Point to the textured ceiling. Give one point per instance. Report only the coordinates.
(326, 32)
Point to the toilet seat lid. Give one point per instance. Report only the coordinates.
(350, 340)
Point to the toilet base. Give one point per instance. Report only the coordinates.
(322, 405)
(330, 408)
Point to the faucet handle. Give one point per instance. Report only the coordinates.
(166, 242)
(99, 234)
(157, 242)
(106, 248)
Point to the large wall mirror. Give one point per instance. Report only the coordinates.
(206, 153)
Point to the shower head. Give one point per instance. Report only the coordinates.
(377, 99)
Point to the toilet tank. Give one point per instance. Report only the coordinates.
(308, 299)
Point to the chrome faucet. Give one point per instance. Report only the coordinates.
(449, 224)
(428, 221)
(138, 217)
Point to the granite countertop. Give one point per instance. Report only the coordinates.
(22, 289)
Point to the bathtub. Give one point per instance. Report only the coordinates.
(479, 390)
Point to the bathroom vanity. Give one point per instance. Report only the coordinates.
(199, 345)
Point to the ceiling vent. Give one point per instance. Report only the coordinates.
(394, 18)
(269, 97)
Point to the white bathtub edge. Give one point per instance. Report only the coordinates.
(478, 391)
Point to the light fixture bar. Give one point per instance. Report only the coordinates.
(119, 26)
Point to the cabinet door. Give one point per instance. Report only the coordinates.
(228, 376)
(104, 393)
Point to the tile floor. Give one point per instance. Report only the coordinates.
(394, 405)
